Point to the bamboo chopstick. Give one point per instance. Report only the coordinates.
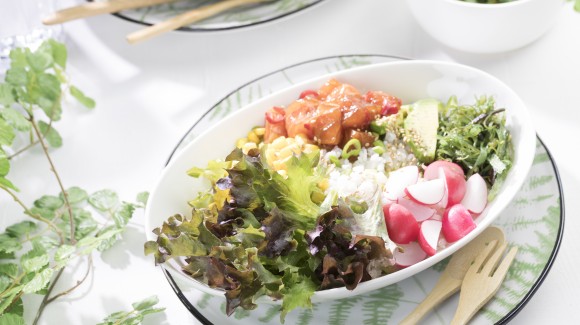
(97, 8)
(187, 18)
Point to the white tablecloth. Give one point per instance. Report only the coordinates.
(148, 95)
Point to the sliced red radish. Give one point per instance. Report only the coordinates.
(445, 200)
(399, 179)
(419, 211)
(475, 198)
(429, 236)
(412, 254)
(401, 225)
(432, 171)
(428, 192)
(455, 185)
(457, 222)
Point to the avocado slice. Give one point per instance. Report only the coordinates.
(421, 127)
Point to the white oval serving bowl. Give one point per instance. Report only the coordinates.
(485, 28)
(410, 81)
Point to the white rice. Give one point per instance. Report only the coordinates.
(361, 180)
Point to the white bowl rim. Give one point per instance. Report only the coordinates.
(363, 287)
(488, 6)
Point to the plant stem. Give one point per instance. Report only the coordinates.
(44, 303)
(46, 300)
(30, 145)
(53, 169)
(34, 216)
(79, 282)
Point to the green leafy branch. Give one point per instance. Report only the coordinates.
(136, 315)
(32, 252)
(62, 228)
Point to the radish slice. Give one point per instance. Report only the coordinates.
(419, 211)
(455, 185)
(457, 222)
(401, 225)
(475, 198)
(445, 200)
(429, 192)
(429, 236)
(432, 171)
(412, 254)
(399, 179)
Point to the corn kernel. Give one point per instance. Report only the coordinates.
(323, 184)
(253, 137)
(241, 141)
(249, 146)
(259, 131)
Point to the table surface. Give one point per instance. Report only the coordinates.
(148, 96)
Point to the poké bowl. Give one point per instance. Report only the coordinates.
(486, 28)
(410, 81)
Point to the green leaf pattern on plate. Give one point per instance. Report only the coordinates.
(532, 222)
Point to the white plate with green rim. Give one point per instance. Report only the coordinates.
(533, 221)
(232, 19)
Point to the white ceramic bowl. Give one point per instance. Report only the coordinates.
(485, 28)
(409, 80)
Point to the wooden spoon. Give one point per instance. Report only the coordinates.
(452, 277)
(90, 9)
(188, 18)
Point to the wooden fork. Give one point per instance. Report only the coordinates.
(450, 280)
(482, 281)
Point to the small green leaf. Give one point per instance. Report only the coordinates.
(8, 184)
(46, 242)
(82, 98)
(34, 264)
(16, 308)
(39, 281)
(9, 269)
(104, 200)
(48, 92)
(43, 212)
(6, 256)
(11, 319)
(64, 252)
(18, 58)
(135, 316)
(15, 119)
(59, 52)
(49, 202)
(75, 195)
(39, 60)
(123, 214)
(9, 244)
(142, 197)
(50, 134)
(6, 133)
(35, 259)
(6, 95)
(85, 224)
(16, 76)
(4, 165)
(146, 303)
(21, 229)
